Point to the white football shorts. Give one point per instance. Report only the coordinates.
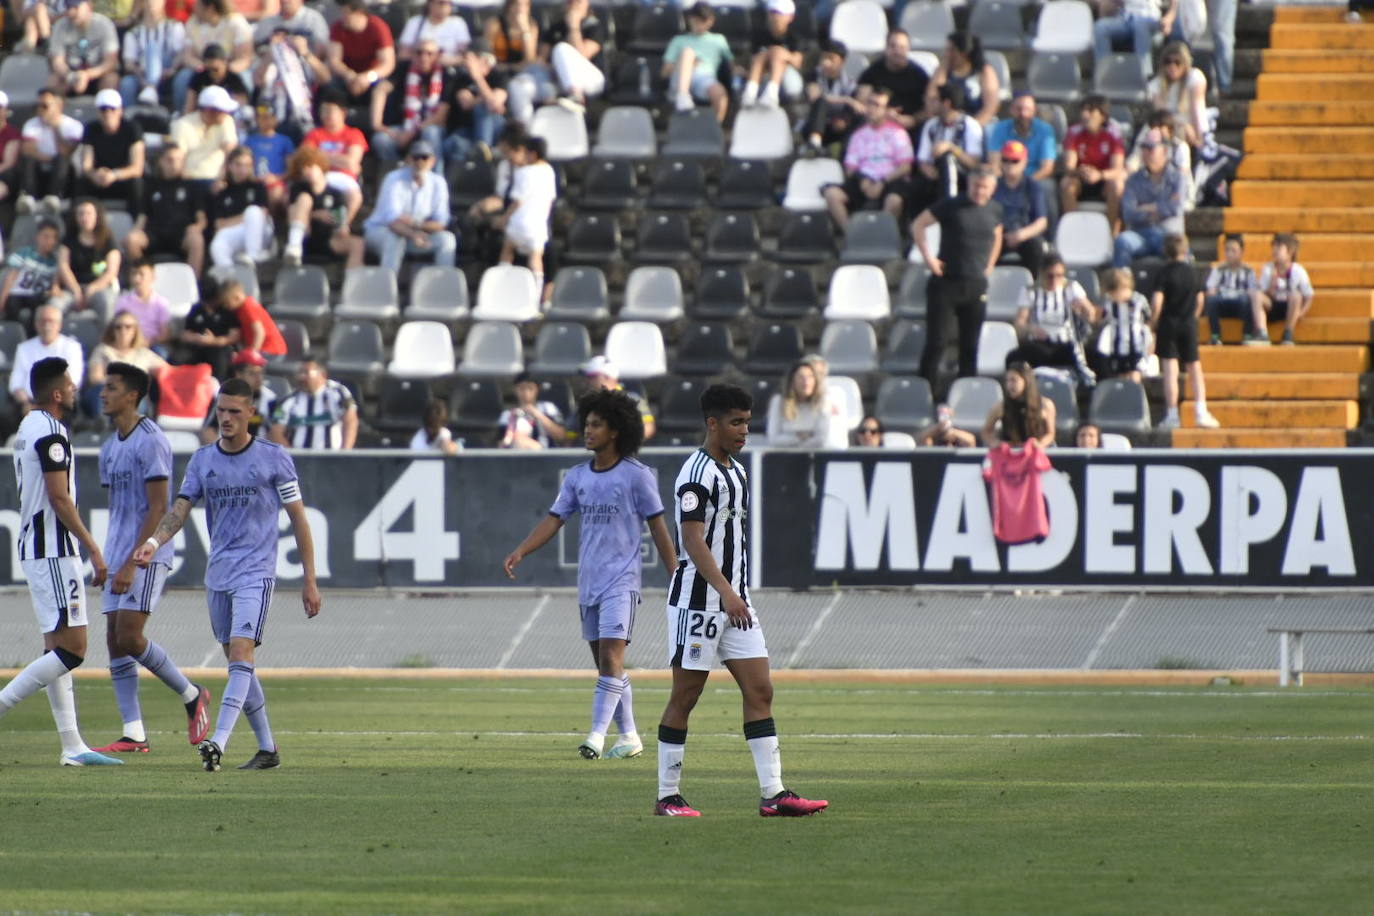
(698, 639)
(57, 586)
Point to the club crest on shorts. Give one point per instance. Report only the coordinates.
(694, 653)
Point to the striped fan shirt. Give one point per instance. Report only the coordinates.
(315, 420)
(1051, 310)
(709, 492)
(40, 446)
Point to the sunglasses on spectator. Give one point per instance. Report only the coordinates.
(870, 431)
(420, 157)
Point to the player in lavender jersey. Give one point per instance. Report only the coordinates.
(135, 465)
(244, 481)
(615, 495)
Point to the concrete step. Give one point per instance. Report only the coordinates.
(1313, 246)
(1314, 140)
(1346, 193)
(1266, 414)
(1278, 386)
(1328, 87)
(1346, 358)
(1344, 302)
(1340, 273)
(1259, 438)
(1333, 62)
(1320, 114)
(1297, 219)
(1311, 330)
(1272, 166)
(1316, 37)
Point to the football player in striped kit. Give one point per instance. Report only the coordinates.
(709, 615)
(44, 468)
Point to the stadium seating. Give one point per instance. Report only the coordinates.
(872, 237)
(1119, 405)
(296, 336)
(477, 406)
(904, 404)
(928, 22)
(846, 409)
(1065, 398)
(998, 62)
(970, 399)
(899, 441)
(1064, 27)
(636, 80)
(731, 238)
(469, 181)
(423, 350)
(438, 294)
(805, 238)
(492, 349)
(858, 291)
(807, 178)
(609, 185)
(850, 347)
(654, 27)
(998, 24)
(906, 344)
(694, 133)
(774, 349)
(561, 348)
(21, 76)
(579, 294)
(1004, 291)
(763, 133)
(1120, 78)
(722, 293)
(626, 132)
(1084, 239)
(790, 293)
(995, 340)
(401, 403)
(745, 184)
(356, 350)
(637, 348)
(653, 294)
(677, 184)
(369, 292)
(302, 294)
(681, 405)
(928, 61)
(593, 238)
(563, 130)
(861, 25)
(12, 334)
(911, 293)
(507, 293)
(245, 274)
(664, 238)
(704, 349)
(176, 282)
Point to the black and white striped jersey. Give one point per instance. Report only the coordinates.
(1051, 310)
(40, 446)
(315, 420)
(718, 496)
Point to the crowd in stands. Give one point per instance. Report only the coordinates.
(246, 137)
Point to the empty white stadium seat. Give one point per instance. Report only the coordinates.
(763, 133)
(995, 341)
(1064, 26)
(653, 294)
(636, 347)
(861, 25)
(564, 130)
(626, 132)
(807, 178)
(423, 349)
(176, 282)
(507, 293)
(1084, 239)
(858, 291)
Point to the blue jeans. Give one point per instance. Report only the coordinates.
(1137, 243)
(387, 152)
(392, 249)
(485, 128)
(1221, 16)
(1139, 29)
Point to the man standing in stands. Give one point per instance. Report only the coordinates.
(970, 241)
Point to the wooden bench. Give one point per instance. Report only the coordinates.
(1290, 648)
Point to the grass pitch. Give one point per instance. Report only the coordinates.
(469, 796)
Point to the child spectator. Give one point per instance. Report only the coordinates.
(151, 50)
(317, 228)
(343, 145)
(257, 330)
(692, 63)
(534, 189)
(270, 152)
(146, 305)
(1230, 292)
(1087, 436)
(1125, 342)
(531, 424)
(30, 274)
(774, 72)
(834, 109)
(1094, 161)
(943, 433)
(210, 332)
(238, 213)
(434, 436)
(1175, 307)
(1285, 292)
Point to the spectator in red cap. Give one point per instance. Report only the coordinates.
(1025, 218)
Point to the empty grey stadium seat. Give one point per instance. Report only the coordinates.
(722, 293)
(579, 294)
(477, 407)
(998, 24)
(904, 404)
(246, 274)
(745, 184)
(561, 348)
(678, 184)
(609, 185)
(401, 404)
(652, 294)
(871, 238)
(732, 238)
(12, 334)
(1119, 405)
(679, 408)
(805, 238)
(369, 292)
(704, 349)
(911, 294)
(438, 294)
(850, 347)
(1065, 398)
(356, 349)
(790, 293)
(302, 294)
(928, 22)
(906, 343)
(492, 349)
(296, 335)
(1120, 78)
(626, 132)
(694, 133)
(970, 399)
(654, 26)
(664, 238)
(773, 349)
(21, 76)
(1054, 77)
(593, 238)
(1004, 291)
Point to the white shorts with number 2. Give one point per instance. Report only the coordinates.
(698, 639)
(58, 588)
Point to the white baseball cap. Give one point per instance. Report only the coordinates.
(782, 7)
(108, 98)
(216, 98)
(601, 365)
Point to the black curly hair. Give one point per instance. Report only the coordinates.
(621, 413)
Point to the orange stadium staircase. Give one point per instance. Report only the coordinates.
(1307, 169)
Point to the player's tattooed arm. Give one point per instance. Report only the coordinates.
(166, 530)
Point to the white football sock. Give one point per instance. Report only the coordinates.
(670, 767)
(39, 673)
(62, 699)
(767, 764)
(135, 730)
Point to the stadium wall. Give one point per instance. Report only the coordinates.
(1126, 520)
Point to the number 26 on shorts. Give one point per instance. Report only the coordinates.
(703, 625)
